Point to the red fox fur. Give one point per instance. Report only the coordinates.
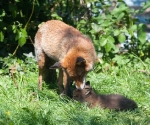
(111, 101)
(72, 51)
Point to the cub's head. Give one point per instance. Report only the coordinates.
(82, 95)
(76, 67)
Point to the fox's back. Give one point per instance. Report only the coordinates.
(56, 38)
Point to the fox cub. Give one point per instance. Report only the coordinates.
(111, 101)
(74, 54)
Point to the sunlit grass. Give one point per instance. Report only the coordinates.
(26, 105)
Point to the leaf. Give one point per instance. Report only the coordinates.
(103, 41)
(22, 37)
(121, 38)
(120, 60)
(109, 17)
(97, 45)
(133, 28)
(141, 34)
(116, 32)
(40, 24)
(23, 32)
(1, 71)
(120, 16)
(95, 10)
(124, 30)
(1, 36)
(14, 28)
(117, 11)
(116, 49)
(111, 39)
(107, 23)
(56, 16)
(109, 45)
(22, 41)
(17, 0)
(96, 27)
(82, 22)
(18, 34)
(2, 13)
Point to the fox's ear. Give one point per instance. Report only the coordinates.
(80, 61)
(57, 65)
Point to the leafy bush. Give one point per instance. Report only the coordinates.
(107, 23)
(19, 19)
(110, 26)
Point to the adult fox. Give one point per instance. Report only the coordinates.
(73, 52)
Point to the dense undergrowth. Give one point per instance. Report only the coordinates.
(23, 104)
(109, 23)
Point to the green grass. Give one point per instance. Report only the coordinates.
(26, 105)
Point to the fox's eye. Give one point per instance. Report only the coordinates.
(79, 75)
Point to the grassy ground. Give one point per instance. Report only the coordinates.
(22, 104)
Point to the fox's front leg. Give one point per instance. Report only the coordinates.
(67, 84)
(60, 81)
(63, 78)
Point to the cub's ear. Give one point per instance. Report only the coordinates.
(88, 83)
(57, 65)
(80, 61)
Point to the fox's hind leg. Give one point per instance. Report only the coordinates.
(41, 63)
(44, 72)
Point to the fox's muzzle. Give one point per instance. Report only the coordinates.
(80, 85)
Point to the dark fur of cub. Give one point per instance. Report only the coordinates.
(110, 101)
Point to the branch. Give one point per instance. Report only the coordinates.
(30, 15)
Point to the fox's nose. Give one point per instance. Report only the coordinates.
(80, 86)
(80, 83)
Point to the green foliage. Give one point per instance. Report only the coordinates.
(16, 66)
(18, 18)
(109, 26)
